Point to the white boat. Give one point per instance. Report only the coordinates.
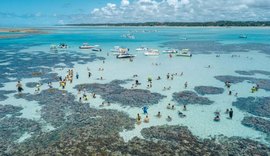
(121, 51)
(63, 46)
(184, 53)
(86, 46)
(152, 52)
(97, 49)
(141, 49)
(124, 55)
(170, 51)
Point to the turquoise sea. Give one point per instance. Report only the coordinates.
(219, 55)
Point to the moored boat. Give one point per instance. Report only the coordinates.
(184, 53)
(86, 46)
(124, 55)
(151, 52)
(170, 51)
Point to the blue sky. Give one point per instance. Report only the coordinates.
(52, 12)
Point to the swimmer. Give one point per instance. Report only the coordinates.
(158, 114)
(102, 104)
(146, 119)
(138, 117)
(230, 92)
(89, 74)
(186, 84)
(158, 78)
(164, 89)
(80, 99)
(172, 107)
(185, 108)
(169, 118)
(108, 103)
(169, 106)
(168, 76)
(236, 94)
(94, 95)
(180, 114)
(217, 118)
(77, 76)
(227, 111)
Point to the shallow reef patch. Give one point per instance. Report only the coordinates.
(257, 123)
(190, 97)
(259, 106)
(115, 93)
(203, 90)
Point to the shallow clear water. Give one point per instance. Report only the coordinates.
(199, 117)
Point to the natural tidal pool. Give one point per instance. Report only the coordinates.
(97, 111)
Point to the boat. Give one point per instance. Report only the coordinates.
(152, 52)
(170, 51)
(124, 55)
(184, 53)
(242, 36)
(97, 49)
(141, 49)
(120, 51)
(86, 46)
(63, 46)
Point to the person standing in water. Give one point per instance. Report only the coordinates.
(77, 76)
(231, 113)
(89, 74)
(19, 87)
(145, 108)
(186, 85)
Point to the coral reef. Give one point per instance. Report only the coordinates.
(263, 83)
(257, 123)
(3, 94)
(208, 47)
(203, 90)
(190, 97)
(113, 92)
(253, 72)
(259, 106)
(9, 110)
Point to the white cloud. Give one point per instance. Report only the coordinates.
(181, 11)
(124, 2)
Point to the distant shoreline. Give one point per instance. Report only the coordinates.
(182, 24)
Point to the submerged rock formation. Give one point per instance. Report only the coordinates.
(259, 106)
(3, 94)
(257, 123)
(263, 83)
(253, 72)
(203, 90)
(181, 142)
(189, 97)
(9, 110)
(83, 130)
(113, 92)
